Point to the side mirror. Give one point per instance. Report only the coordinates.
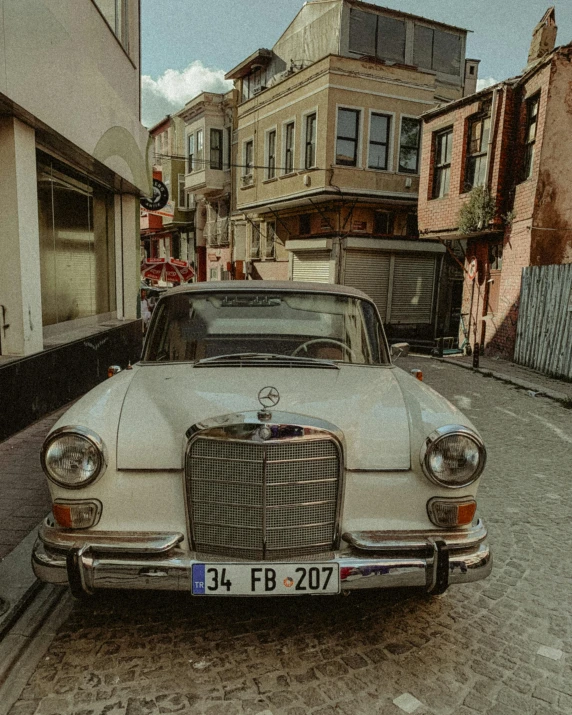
(399, 350)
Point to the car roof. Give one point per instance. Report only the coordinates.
(261, 286)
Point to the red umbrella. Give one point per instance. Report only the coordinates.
(170, 270)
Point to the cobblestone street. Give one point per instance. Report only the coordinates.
(501, 646)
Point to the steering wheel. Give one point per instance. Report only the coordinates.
(330, 341)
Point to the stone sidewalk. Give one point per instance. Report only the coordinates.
(24, 496)
(517, 375)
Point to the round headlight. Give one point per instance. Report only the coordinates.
(73, 457)
(453, 456)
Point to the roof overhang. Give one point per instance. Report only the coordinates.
(322, 195)
(259, 58)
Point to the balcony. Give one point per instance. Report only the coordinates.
(216, 232)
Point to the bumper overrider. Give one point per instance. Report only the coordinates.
(91, 560)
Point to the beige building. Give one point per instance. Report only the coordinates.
(209, 118)
(73, 164)
(327, 150)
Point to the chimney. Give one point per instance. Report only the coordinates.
(543, 37)
(471, 76)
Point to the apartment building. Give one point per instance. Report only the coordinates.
(170, 231)
(209, 120)
(74, 162)
(495, 185)
(327, 148)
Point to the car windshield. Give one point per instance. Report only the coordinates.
(192, 327)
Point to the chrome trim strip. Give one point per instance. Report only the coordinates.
(302, 503)
(408, 540)
(109, 541)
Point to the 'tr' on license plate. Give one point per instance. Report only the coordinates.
(265, 579)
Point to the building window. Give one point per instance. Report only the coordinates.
(116, 14)
(191, 160)
(379, 127)
(383, 223)
(270, 246)
(271, 172)
(442, 175)
(289, 148)
(199, 155)
(310, 152)
(411, 226)
(175, 246)
(228, 147)
(377, 35)
(437, 50)
(304, 224)
(477, 152)
(409, 142)
(254, 241)
(530, 135)
(181, 195)
(248, 158)
(76, 244)
(216, 149)
(213, 274)
(347, 139)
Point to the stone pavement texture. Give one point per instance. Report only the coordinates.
(24, 496)
(518, 373)
(502, 646)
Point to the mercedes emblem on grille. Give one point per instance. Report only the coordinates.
(269, 397)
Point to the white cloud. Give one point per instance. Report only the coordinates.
(173, 89)
(486, 82)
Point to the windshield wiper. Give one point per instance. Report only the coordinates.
(265, 356)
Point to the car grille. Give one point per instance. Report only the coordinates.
(263, 500)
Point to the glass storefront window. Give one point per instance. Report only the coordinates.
(77, 257)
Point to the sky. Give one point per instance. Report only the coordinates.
(189, 45)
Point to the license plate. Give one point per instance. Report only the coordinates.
(265, 579)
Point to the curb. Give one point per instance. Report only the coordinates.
(524, 384)
(18, 583)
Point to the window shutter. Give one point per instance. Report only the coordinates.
(311, 266)
(413, 287)
(369, 271)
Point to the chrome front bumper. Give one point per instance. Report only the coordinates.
(89, 561)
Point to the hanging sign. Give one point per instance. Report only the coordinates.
(159, 198)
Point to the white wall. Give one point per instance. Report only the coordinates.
(61, 62)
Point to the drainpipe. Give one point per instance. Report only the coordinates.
(492, 136)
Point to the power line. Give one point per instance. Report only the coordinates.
(242, 166)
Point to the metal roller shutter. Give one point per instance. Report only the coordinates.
(369, 271)
(311, 266)
(413, 286)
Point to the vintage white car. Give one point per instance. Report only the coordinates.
(265, 444)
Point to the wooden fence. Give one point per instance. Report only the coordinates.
(544, 329)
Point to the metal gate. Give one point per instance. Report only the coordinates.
(311, 266)
(401, 285)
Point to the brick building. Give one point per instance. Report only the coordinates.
(504, 155)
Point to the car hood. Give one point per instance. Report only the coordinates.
(365, 402)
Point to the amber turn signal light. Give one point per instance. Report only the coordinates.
(76, 514)
(451, 512)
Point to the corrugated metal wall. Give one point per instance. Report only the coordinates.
(544, 329)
